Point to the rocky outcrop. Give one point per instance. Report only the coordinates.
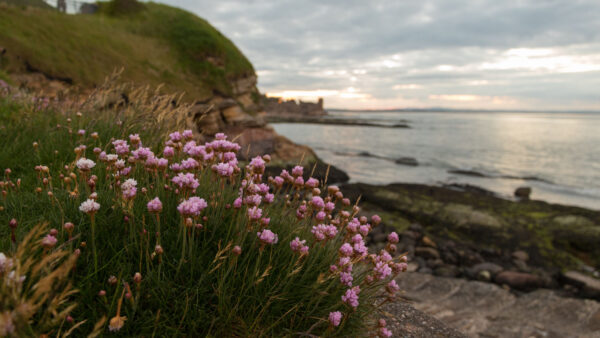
(486, 310)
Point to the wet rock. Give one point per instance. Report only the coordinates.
(588, 286)
(519, 280)
(407, 161)
(427, 253)
(523, 192)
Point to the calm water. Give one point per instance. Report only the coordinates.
(562, 150)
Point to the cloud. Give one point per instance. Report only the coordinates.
(534, 54)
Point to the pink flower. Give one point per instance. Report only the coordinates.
(192, 206)
(49, 241)
(351, 296)
(175, 137)
(335, 318)
(320, 215)
(382, 270)
(155, 205)
(364, 229)
(81, 132)
(317, 202)
(384, 332)
(353, 225)
(346, 250)
(392, 287)
(162, 163)
(258, 164)
(393, 237)
(254, 213)
(237, 203)
(142, 153)
(269, 198)
(375, 219)
(278, 181)
(188, 134)
(311, 183)
(188, 181)
(121, 147)
(168, 152)
(267, 237)
(189, 164)
(346, 278)
(223, 169)
(297, 171)
(299, 246)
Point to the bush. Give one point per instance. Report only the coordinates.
(177, 238)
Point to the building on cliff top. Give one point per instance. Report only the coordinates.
(280, 106)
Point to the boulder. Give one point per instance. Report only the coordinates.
(519, 280)
(523, 192)
(588, 286)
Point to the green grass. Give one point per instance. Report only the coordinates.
(25, 3)
(160, 44)
(199, 287)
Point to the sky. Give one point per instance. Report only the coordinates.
(377, 54)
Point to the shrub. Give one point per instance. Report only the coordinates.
(177, 238)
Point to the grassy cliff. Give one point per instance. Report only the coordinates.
(158, 44)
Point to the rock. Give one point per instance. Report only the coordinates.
(486, 310)
(235, 116)
(519, 280)
(446, 270)
(427, 253)
(412, 267)
(416, 227)
(520, 255)
(407, 161)
(407, 322)
(523, 192)
(484, 276)
(425, 269)
(428, 242)
(521, 265)
(491, 268)
(588, 286)
(434, 263)
(380, 238)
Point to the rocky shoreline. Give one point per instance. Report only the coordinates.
(292, 118)
(470, 233)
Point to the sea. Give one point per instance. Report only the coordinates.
(556, 154)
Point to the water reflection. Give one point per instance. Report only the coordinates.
(559, 148)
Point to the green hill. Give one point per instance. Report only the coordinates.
(159, 44)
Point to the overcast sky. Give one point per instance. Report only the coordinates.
(494, 54)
